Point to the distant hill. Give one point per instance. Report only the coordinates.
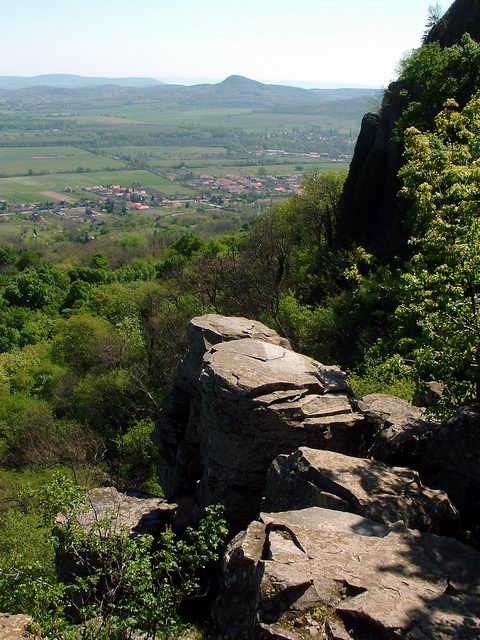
(233, 92)
(67, 81)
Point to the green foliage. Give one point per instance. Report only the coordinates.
(138, 457)
(37, 287)
(434, 74)
(441, 288)
(382, 374)
(121, 584)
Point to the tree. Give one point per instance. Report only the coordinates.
(442, 284)
(435, 13)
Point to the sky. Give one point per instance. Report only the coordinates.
(298, 42)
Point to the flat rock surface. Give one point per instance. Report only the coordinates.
(204, 332)
(121, 511)
(344, 572)
(14, 627)
(311, 477)
(175, 434)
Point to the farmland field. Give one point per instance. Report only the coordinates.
(247, 119)
(40, 188)
(17, 161)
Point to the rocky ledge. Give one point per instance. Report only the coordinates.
(327, 574)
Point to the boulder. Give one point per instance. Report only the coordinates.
(204, 332)
(314, 478)
(446, 455)
(330, 574)
(177, 439)
(122, 512)
(15, 627)
(255, 401)
(450, 460)
(395, 428)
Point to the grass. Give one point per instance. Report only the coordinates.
(154, 151)
(271, 169)
(248, 119)
(17, 161)
(39, 188)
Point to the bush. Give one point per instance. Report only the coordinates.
(131, 585)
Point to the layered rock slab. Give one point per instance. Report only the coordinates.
(176, 436)
(309, 478)
(447, 455)
(354, 577)
(255, 401)
(110, 512)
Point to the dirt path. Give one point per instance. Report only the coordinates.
(54, 195)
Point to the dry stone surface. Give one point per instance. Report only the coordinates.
(15, 627)
(314, 478)
(257, 400)
(241, 397)
(338, 575)
(176, 436)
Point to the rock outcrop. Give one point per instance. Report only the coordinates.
(354, 490)
(395, 428)
(176, 436)
(122, 512)
(447, 455)
(253, 401)
(313, 478)
(462, 17)
(15, 627)
(371, 214)
(322, 573)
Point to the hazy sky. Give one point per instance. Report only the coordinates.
(346, 42)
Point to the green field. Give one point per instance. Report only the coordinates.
(18, 161)
(271, 169)
(248, 119)
(42, 188)
(154, 151)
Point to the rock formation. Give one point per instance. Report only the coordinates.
(351, 553)
(310, 477)
(15, 627)
(176, 435)
(371, 213)
(328, 574)
(447, 455)
(253, 401)
(111, 512)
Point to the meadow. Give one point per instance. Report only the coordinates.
(23, 189)
(15, 161)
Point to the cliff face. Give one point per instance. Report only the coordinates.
(371, 213)
(462, 17)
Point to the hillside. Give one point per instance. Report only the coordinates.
(69, 81)
(235, 92)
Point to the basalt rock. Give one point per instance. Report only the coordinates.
(328, 574)
(15, 627)
(309, 478)
(446, 455)
(254, 399)
(395, 429)
(177, 439)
